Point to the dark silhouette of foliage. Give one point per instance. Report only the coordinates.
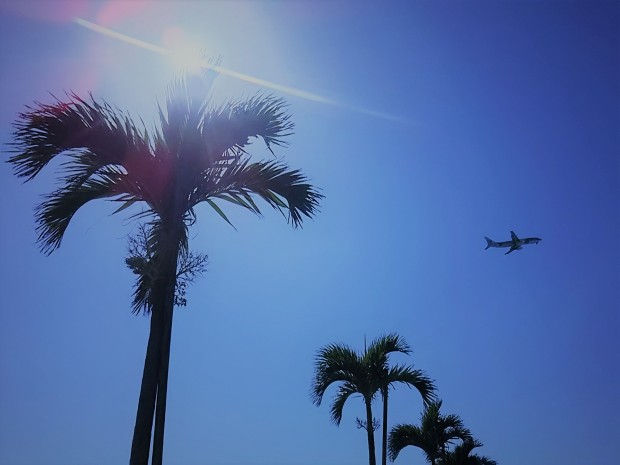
(198, 154)
(141, 261)
(366, 373)
(363, 424)
(434, 434)
(461, 455)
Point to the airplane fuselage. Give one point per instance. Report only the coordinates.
(514, 244)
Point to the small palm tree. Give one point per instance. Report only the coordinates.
(197, 156)
(435, 433)
(461, 455)
(366, 374)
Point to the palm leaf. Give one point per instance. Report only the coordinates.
(403, 435)
(45, 131)
(461, 455)
(54, 214)
(383, 346)
(345, 391)
(334, 363)
(435, 432)
(414, 379)
(279, 186)
(219, 211)
(229, 127)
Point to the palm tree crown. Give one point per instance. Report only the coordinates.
(461, 455)
(197, 156)
(367, 374)
(435, 433)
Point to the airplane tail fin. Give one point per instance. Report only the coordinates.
(489, 243)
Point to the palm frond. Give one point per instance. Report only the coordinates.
(183, 121)
(403, 435)
(382, 346)
(345, 391)
(54, 214)
(334, 363)
(432, 436)
(414, 379)
(461, 455)
(230, 126)
(481, 460)
(279, 186)
(454, 428)
(47, 130)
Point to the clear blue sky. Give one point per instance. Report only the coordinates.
(509, 119)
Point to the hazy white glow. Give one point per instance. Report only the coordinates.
(186, 57)
(183, 52)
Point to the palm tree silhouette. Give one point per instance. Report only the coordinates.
(461, 455)
(198, 155)
(435, 433)
(366, 374)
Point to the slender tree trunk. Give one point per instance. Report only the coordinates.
(385, 416)
(141, 443)
(168, 277)
(162, 392)
(372, 458)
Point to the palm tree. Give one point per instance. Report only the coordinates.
(461, 455)
(198, 155)
(435, 433)
(366, 374)
(390, 375)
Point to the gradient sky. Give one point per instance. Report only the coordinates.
(505, 116)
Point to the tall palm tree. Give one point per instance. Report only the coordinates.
(435, 433)
(367, 374)
(388, 376)
(461, 455)
(198, 155)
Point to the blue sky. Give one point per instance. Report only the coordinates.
(509, 119)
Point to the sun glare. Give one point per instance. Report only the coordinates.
(186, 59)
(186, 55)
(182, 51)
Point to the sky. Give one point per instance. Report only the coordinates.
(442, 122)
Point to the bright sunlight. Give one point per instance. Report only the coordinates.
(183, 53)
(189, 57)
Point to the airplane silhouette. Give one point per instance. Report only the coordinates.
(515, 243)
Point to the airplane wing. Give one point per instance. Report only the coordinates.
(512, 249)
(513, 236)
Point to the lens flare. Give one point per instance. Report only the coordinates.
(187, 57)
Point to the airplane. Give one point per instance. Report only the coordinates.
(515, 243)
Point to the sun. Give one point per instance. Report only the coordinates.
(184, 54)
(187, 59)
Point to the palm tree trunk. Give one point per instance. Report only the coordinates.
(167, 282)
(372, 458)
(162, 392)
(385, 416)
(141, 443)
